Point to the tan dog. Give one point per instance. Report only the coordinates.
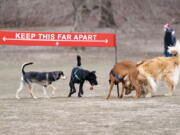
(141, 81)
(161, 68)
(117, 75)
(134, 75)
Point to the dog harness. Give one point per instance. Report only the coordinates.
(75, 74)
(116, 76)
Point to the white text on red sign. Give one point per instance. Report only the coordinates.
(44, 36)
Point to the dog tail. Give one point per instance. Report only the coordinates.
(175, 49)
(24, 65)
(78, 60)
(140, 63)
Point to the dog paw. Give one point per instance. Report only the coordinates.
(17, 97)
(121, 96)
(168, 94)
(148, 95)
(53, 93)
(135, 97)
(79, 96)
(35, 97)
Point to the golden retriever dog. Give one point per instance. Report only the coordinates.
(161, 68)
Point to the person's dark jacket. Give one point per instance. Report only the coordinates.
(169, 38)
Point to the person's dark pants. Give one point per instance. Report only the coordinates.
(167, 54)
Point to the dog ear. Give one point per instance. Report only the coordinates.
(61, 73)
(125, 77)
(93, 72)
(57, 75)
(140, 63)
(126, 80)
(90, 74)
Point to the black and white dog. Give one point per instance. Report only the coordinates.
(79, 76)
(42, 78)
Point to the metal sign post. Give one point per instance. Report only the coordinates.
(116, 59)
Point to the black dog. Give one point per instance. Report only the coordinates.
(42, 78)
(79, 76)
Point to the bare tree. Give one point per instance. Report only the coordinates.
(94, 13)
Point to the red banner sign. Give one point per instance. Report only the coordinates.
(57, 39)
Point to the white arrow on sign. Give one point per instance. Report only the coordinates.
(103, 41)
(4, 39)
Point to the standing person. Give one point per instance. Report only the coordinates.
(169, 39)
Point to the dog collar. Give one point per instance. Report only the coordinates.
(116, 76)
